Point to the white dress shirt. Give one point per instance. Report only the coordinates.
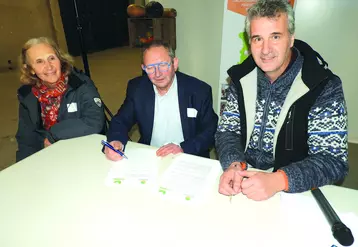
(167, 123)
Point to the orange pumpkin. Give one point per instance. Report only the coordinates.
(169, 12)
(136, 10)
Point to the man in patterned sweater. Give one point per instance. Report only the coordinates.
(285, 113)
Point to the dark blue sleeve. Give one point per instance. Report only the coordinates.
(206, 126)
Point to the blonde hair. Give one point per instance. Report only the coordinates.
(26, 77)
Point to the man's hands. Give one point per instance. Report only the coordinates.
(170, 148)
(261, 185)
(230, 180)
(257, 186)
(110, 154)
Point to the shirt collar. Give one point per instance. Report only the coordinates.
(174, 84)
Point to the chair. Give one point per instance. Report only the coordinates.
(107, 113)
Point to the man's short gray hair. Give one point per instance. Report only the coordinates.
(158, 43)
(270, 9)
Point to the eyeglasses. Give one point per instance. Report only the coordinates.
(162, 67)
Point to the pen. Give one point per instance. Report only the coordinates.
(115, 150)
(233, 181)
(232, 184)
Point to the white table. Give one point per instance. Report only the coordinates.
(57, 197)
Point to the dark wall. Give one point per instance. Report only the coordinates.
(104, 24)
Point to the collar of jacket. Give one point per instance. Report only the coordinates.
(74, 82)
(314, 69)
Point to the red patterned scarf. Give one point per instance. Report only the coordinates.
(50, 100)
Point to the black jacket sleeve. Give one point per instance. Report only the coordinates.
(207, 121)
(29, 139)
(91, 120)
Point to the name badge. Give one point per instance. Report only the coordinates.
(192, 112)
(72, 107)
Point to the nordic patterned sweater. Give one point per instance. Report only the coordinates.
(326, 161)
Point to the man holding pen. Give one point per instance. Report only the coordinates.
(285, 113)
(173, 110)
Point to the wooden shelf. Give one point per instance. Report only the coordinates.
(163, 29)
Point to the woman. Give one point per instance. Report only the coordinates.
(56, 102)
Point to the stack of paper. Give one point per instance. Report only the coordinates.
(189, 179)
(137, 169)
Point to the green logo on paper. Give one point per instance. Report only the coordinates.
(117, 181)
(187, 198)
(143, 181)
(162, 190)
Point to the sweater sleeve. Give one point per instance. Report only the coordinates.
(327, 141)
(228, 136)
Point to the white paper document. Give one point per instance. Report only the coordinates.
(307, 223)
(141, 167)
(189, 178)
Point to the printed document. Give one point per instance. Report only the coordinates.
(141, 167)
(189, 178)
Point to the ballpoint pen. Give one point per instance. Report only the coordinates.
(115, 150)
(232, 184)
(233, 180)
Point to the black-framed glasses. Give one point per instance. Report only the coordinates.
(162, 67)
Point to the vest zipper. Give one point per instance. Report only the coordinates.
(265, 113)
(289, 129)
